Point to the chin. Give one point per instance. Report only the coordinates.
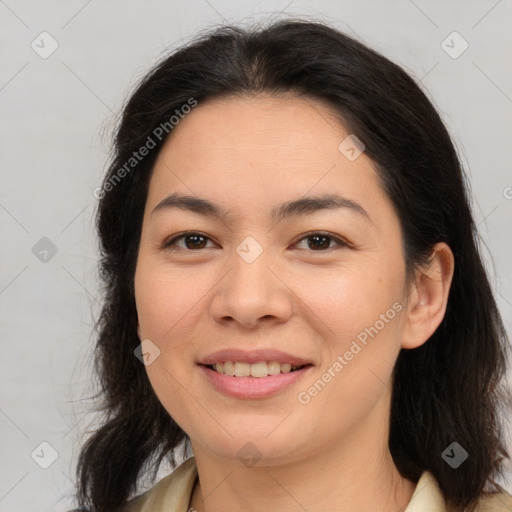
(252, 449)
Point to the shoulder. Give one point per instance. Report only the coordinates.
(429, 496)
(172, 492)
(494, 502)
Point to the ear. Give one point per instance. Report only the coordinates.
(428, 297)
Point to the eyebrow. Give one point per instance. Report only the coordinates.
(302, 206)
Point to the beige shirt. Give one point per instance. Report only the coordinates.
(173, 492)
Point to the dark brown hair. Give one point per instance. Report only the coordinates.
(449, 389)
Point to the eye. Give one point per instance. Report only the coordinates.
(192, 240)
(320, 241)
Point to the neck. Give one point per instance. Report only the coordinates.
(352, 476)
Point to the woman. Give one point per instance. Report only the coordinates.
(293, 290)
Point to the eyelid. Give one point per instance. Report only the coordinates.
(171, 241)
(341, 242)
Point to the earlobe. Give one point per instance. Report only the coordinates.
(428, 297)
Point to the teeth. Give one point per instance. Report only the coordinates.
(273, 368)
(242, 370)
(228, 368)
(260, 369)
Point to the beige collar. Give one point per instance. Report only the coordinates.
(173, 492)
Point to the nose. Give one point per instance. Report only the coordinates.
(252, 294)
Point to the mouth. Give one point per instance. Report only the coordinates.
(259, 370)
(254, 374)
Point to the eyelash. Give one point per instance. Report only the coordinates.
(168, 245)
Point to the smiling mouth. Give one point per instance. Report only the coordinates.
(258, 370)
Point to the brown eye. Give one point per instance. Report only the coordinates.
(191, 241)
(321, 241)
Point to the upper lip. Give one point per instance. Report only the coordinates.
(252, 356)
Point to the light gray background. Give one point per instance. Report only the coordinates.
(54, 113)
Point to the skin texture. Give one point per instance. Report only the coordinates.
(247, 154)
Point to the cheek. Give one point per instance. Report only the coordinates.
(165, 302)
(165, 307)
(358, 313)
(358, 354)
(347, 300)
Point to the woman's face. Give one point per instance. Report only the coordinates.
(266, 280)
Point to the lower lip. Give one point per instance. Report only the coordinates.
(252, 387)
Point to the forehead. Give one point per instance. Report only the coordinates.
(283, 125)
(261, 150)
